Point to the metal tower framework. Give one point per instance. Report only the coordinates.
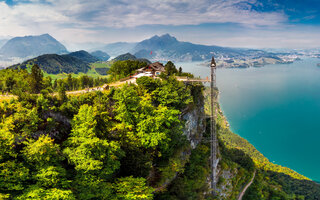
(214, 142)
(213, 139)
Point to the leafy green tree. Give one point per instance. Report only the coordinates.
(47, 82)
(36, 192)
(36, 79)
(26, 121)
(42, 103)
(122, 69)
(129, 188)
(90, 186)
(13, 176)
(88, 152)
(127, 105)
(95, 159)
(154, 127)
(41, 152)
(172, 93)
(148, 83)
(7, 139)
(170, 68)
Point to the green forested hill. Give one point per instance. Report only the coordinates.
(55, 64)
(74, 62)
(84, 56)
(128, 56)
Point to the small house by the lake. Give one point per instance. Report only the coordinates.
(154, 68)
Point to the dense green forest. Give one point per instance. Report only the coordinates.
(124, 143)
(98, 145)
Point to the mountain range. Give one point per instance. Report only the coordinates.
(31, 46)
(157, 48)
(118, 48)
(167, 47)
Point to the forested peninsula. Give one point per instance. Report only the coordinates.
(143, 140)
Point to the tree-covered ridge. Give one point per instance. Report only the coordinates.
(74, 62)
(99, 145)
(19, 82)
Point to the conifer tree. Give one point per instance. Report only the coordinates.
(36, 79)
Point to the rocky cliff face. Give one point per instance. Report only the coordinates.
(230, 179)
(195, 125)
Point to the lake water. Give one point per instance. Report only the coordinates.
(276, 108)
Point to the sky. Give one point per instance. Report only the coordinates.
(234, 23)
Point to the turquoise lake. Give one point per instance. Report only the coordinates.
(276, 108)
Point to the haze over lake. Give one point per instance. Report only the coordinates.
(276, 108)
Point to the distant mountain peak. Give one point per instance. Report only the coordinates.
(29, 46)
(46, 34)
(166, 37)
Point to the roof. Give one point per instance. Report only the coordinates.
(157, 66)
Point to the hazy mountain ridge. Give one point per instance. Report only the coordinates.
(103, 56)
(166, 47)
(2, 42)
(30, 46)
(118, 48)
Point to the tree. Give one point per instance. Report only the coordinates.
(88, 152)
(69, 82)
(62, 93)
(13, 174)
(170, 68)
(36, 79)
(36, 192)
(95, 159)
(47, 82)
(41, 152)
(155, 125)
(122, 69)
(127, 105)
(172, 93)
(180, 71)
(129, 188)
(148, 83)
(7, 139)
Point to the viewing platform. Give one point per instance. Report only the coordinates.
(187, 79)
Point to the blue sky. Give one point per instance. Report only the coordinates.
(236, 23)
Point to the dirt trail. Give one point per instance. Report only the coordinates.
(247, 186)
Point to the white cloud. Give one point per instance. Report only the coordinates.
(129, 13)
(81, 21)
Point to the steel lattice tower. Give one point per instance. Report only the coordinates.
(214, 143)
